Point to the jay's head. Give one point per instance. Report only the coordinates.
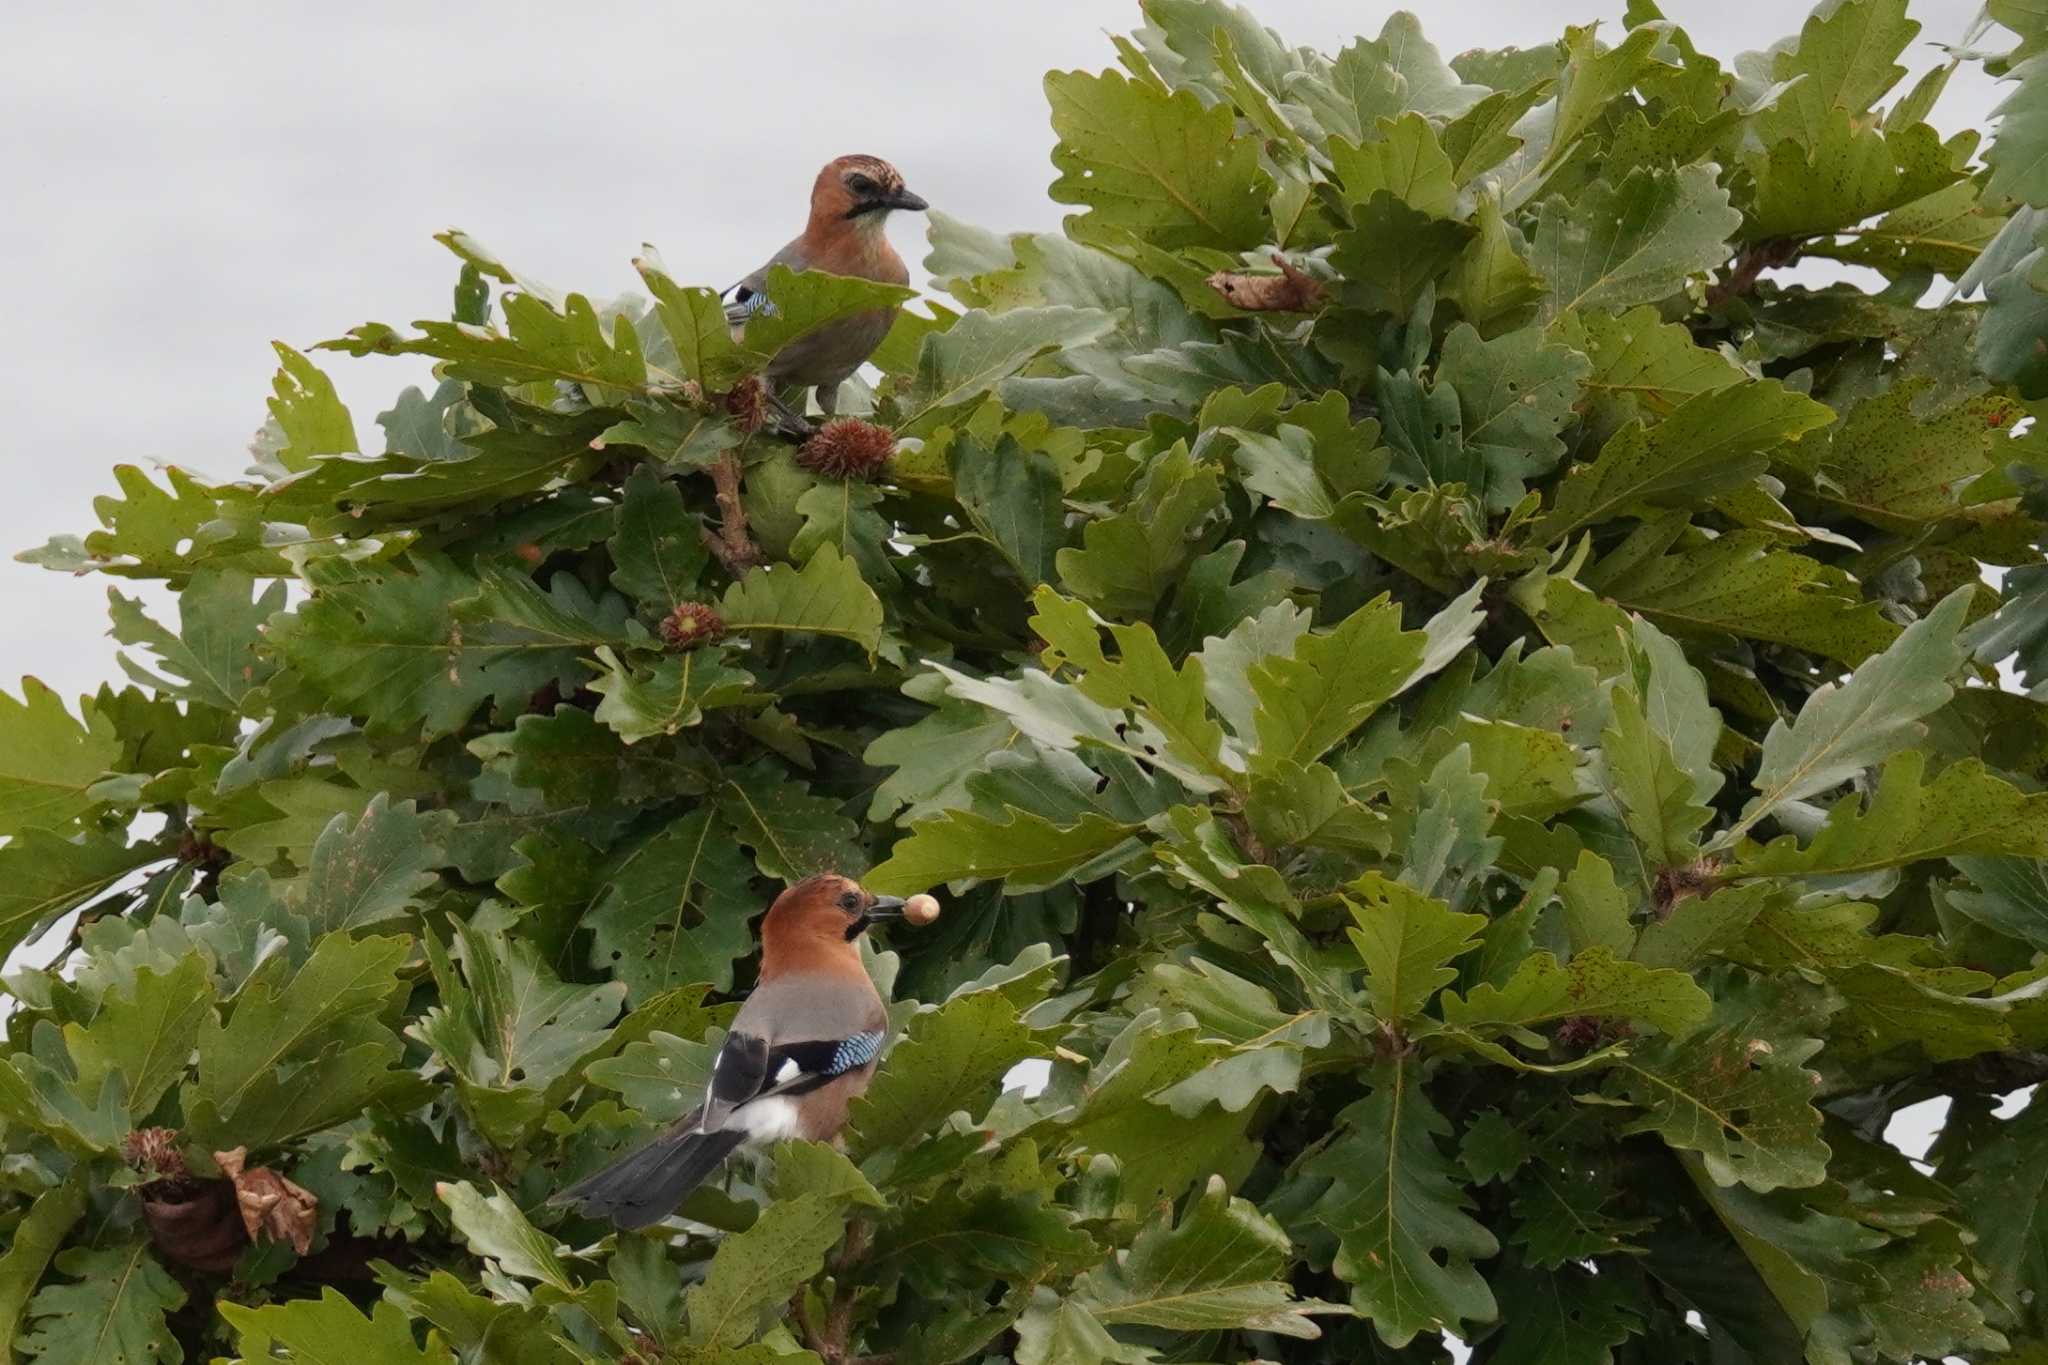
(826, 910)
(860, 192)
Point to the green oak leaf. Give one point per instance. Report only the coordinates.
(1406, 1237)
(1639, 240)
(48, 761)
(112, 1309)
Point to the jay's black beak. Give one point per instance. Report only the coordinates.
(884, 907)
(904, 199)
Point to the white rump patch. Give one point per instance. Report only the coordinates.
(769, 1120)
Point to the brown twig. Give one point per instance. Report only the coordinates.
(802, 1313)
(1674, 884)
(1749, 266)
(831, 1343)
(732, 544)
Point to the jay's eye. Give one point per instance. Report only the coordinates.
(849, 901)
(859, 183)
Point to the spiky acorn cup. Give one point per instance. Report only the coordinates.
(849, 449)
(153, 1152)
(747, 404)
(690, 625)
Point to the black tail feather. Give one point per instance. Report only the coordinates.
(645, 1186)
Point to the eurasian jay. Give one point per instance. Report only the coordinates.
(802, 1046)
(851, 200)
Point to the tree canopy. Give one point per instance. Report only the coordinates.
(1454, 708)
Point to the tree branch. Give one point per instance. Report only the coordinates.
(732, 544)
(1749, 266)
(831, 1342)
(1993, 1073)
(805, 1327)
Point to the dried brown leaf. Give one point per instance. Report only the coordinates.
(1290, 291)
(271, 1205)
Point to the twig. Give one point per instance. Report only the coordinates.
(830, 1344)
(802, 1314)
(1750, 265)
(1994, 1073)
(732, 544)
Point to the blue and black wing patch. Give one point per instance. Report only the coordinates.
(747, 1068)
(856, 1052)
(746, 302)
(796, 1067)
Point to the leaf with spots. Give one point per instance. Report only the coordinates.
(1593, 984)
(1637, 240)
(658, 551)
(215, 656)
(1712, 442)
(374, 870)
(1898, 469)
(1516, 393)
(1736, 1091)
(1966, 812)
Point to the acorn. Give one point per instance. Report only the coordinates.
(848, 448)
(921, 908)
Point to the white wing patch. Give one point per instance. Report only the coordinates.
(788, 1071)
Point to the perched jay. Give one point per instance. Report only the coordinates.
(850, 201)
(802, 1046)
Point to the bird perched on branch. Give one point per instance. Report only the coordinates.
(851, 200)
(801, 1048)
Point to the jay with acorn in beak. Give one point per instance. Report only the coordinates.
(802, 1047)
(851, 200)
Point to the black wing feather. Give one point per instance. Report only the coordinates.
(741, 1071)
